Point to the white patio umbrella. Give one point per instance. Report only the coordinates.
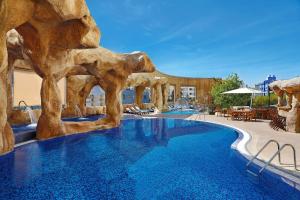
(244, 90)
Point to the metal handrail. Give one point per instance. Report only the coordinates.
(257, 154)
(278, 153)
(22, 101)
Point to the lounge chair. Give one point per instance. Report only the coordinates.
(127, 110)
(277, 122)
(140, 110)
(144, 111)
(151, 109)
(136, 111)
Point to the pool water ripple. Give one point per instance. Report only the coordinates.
(142, 159)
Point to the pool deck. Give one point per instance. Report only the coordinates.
(260, 133)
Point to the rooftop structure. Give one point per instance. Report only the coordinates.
(264, 86)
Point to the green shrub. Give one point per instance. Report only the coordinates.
(226, 100)
(263, 101)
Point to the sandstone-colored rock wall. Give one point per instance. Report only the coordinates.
(139, 94)
(57, 39)
(159, 88)
(292, 108)
(165, 93)
(203, 86)
(78, 89)
(21, 117)
(95, 110)
(110, 71)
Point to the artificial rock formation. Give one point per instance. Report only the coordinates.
(60, 38)
(47, 28)
(110, 71)
(139, 93)
(292, 108)
(165, 93)
(15, 51)
(78, 89)
(159, 91)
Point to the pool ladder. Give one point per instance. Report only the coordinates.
(279, 149)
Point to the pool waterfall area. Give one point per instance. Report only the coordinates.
(158, 158)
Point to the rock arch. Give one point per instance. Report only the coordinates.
(61, 39)
(159, 88)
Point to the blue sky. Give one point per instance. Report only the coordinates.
(206, 38)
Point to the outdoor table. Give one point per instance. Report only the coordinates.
(241, 115)
(262, 113)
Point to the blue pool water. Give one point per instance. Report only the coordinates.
(142, 159)
(181, 112)
(24, 132)
(82, 119)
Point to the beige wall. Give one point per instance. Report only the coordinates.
(27, 86)
(203, 86)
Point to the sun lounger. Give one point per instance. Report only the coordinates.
(127, 110)
(277, 122)
(140, 110)
(136, 111)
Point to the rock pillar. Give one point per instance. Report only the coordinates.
(153, 95)
(159, 96)
(139, 94)
(293, 116)
(10, 75)
(280, 95)
(165, 93)
(6, 134)
(112, 102)
(177, 92)
(292, 109)
(289, 100)
(49, 124)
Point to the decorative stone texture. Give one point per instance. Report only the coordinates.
(159, 97)
(20, 117)
(292, 110)
(153, 95)
(165, 93)
(6, 135)
(96, 110)
(60, 38)
(203, 86)
(147, 106)
(15, 51)
(110, 71)
(78, 89)
(158, 85)
(47, 28)
(139, 94)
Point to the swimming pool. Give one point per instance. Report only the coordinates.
(181, 112)
(142, 159)
(27, 132)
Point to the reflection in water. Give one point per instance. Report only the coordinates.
(136, 138)
(142, 159)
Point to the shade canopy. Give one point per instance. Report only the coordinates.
(244, 90)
